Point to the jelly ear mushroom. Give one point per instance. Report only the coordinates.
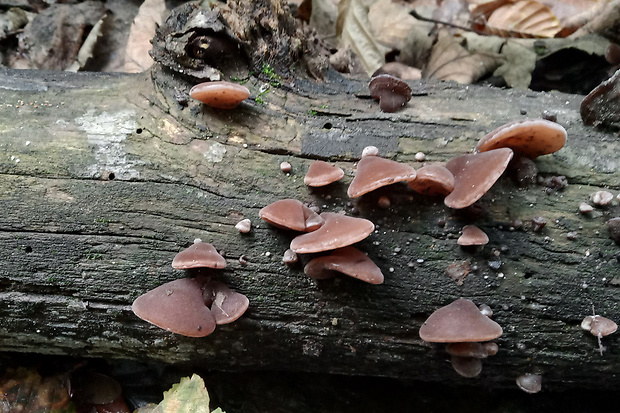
(226, 304)
(433, 180)
(177, 306)
(199, 255)
(472, 236)
(291, 214)
(530, 382)
(321, 173)
(529, 137)
(475, 174)
(391, 92)
(338, 231)
(458, 322)
(347, 260)
(221, 95)
(374, 172)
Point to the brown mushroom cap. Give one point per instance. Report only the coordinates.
(374, 172)
(529, 137)
(347, 260)
(221, 95)
(460, 321)
(475, 174)
(530, 383)
(433, 180)
(472, 235)
(337, 232)
(321, 173)
(199, 255)
(177, 306)
(468, 367)
(391, 92)
(226, 304)
(291, 214)
(599, 325)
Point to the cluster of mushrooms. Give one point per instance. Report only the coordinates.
(194, 306)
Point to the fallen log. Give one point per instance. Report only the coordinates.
(105, 178)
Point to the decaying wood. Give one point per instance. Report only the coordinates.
(104, 178)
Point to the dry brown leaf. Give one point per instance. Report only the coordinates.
(354, 30)
(606, 23)
(526, 18)
(150, 15)
(574, 13)
(451, 61)
(391, 23)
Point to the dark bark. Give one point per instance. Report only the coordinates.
(104, 178)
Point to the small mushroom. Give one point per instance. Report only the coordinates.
(528, 137)
(290, 257)
(599, 325)
(614, 229)
(321, 173)
(347, 260)
(391, 92)
(460, 321)
(601, 198)
(337, 232)
(530, 382)
(433, 180)
(475, 174)
(374, 172)
(291, 214)
(244, 226)
(177, 306)
(468, 367)
(472, 236)
(221, 94)
(285, 166)
(370, 151)
(226, 304)
(199, 255)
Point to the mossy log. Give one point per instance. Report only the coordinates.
(104, 178)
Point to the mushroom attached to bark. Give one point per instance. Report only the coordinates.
(530, 382)
(391, 92)
(475, 174)
(472, 235)
(226, 304)
(433, 180)
(374, 172)
(177, 306)
(600, 327)
(221, 94)
(321, 173)
(529, 137)
(460, 321)
(347, 260)
(199, 255)
(291, 214)
(337, 232)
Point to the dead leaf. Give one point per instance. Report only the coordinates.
(86, 51)
(323, 20)
(391, 22)
(354, 30)
(526, 18)
(150, 15)
(451, 61)
(188, 396)
(606, 23)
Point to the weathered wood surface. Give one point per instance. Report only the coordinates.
(78, 246)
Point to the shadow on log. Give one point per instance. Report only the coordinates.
(104, 178)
